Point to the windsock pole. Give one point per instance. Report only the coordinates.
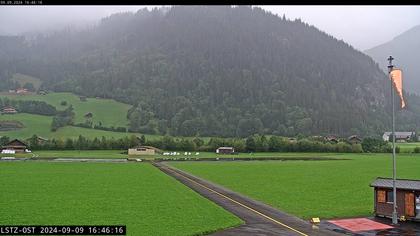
(394, 164)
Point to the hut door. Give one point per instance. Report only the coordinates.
(409, 204)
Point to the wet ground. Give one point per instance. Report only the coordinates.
(259, 218)
(407, 228)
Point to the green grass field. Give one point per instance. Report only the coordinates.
(41, 126)
(136, 195)
(107, 111)
(51, 154)
(101, 154)
(23, 79)
(408, 147)
(326, 189)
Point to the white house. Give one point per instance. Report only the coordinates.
(399, 136)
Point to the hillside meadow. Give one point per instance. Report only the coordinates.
(326, 189)
(107, 111)
(139, 196)
(41, 126)
(23, 79)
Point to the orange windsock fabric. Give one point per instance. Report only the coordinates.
(396, 77)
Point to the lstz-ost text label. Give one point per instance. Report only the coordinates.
(63, 230)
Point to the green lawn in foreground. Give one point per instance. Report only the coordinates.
(137, 195)
(326, 189)
(107, 111)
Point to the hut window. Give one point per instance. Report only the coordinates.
(381, 195)
(389, 196)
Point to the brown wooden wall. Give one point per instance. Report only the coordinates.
(386, 208)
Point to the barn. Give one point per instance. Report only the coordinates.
(408, 198)
(142, 150)
(225, 150)
(354, 139)
(399, 136)
(15, 145)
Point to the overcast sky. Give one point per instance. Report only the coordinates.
(361, 26)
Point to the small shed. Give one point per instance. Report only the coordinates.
(354, 139)
(331, 139)
(15, 145)
(142, 150)
(225, 150)
(8, 110)
(408, 198)
(22, 90)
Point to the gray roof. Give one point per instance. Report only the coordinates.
(225, 148)
(399, 133)
(409, 184)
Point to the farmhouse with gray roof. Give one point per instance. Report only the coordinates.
(399, 136)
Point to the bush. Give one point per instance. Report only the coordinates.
(63, 103)
(356, 148)
(375, 145)
(112, 128)
(417, 150)
(83, 125)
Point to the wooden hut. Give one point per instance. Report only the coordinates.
(8, 110)
(408, 198)
(15, 145)
(354, 139)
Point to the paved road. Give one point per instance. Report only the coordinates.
(260, 219)
(88, 160)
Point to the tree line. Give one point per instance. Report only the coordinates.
(32, 107)
(254, 143)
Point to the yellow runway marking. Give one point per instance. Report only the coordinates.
(245, 206)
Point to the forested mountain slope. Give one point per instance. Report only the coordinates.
(214, 71)
(405, 48)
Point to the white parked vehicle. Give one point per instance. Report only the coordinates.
(7, 151)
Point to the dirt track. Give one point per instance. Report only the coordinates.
(260, 219)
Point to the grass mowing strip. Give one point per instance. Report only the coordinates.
(326, 189)
(136, 195)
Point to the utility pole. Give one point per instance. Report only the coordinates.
(394, 164)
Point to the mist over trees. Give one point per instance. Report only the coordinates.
(213, 71)
(405, 48)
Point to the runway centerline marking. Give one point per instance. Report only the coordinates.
(241, 204)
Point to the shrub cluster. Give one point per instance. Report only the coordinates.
(100, 127)
(63, 118)
(255, 143)
(377, 145)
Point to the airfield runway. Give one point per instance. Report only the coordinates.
(259, 218)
